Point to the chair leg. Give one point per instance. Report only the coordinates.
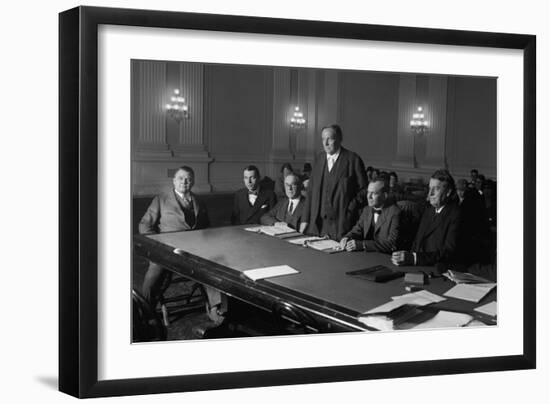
(165, 319)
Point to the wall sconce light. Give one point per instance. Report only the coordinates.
(418, 124)
(297, 121)
(177, 109)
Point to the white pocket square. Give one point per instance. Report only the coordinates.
(263, 206)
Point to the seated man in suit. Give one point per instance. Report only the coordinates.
(289, 210)
(378, 227)
(176, 210)
(251, 202)
(437, 235)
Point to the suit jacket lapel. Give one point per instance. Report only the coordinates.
(175, 201)
(381, 219)
(257, 204)
(297, 214)
(195, 209)
(340, 165)
(369, 219)
(435, 220)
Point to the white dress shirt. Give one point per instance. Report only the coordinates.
(331, 160)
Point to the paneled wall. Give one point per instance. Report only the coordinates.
(471, 140)
(369, 106)
(239, 115)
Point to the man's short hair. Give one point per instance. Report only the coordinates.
(293, 174)
(307, 167)
(336, 129)
(370, 168)
(393, 174)
(384, 181)
(443, 175)
(473, 170)
(287, 166)
(187, 169)
(462, 184)
(253, 168)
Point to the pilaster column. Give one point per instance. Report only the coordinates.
(405, 157)
(436, 114)
(148, 116)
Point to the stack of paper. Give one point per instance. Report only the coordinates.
(464, 277)
(269, 272)
(420, 298)
(304, 240)
(325, 245)
(399, 310)
(445, 319)
(490, 309)
(472, 292)
(389, 316)
(279, 230)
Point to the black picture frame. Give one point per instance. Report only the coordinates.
(78, 179)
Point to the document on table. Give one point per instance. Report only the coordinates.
(420, 298)
(445, 319)
(304, 240)
(489, 309)
(269, 272)
(327, 245)
(472, 292)
(278, 230)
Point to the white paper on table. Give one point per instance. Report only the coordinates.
(489, 308)
(471, 292)
(276, 230)
(421, 295)
(445, 319)
(325, 245)
(302, 240)
(269, 272)
(254, 229)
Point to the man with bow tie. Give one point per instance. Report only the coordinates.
(378, 226)
(251, 202)
(176, 210)
(288, 211)
(437, 235)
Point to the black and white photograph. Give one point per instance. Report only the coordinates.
(251, 202)
(271, 201)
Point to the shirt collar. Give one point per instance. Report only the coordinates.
(294, 200)
(438, 210)
(334, 156)
(181, 195)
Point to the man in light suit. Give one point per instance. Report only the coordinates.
(438, 232)
(289, 210)
(176, 210)
(337, 176)
(251, 202)
(378, 226)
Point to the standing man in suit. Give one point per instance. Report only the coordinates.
(176, 210)
(437, 235)
(336, 177)
(251, 202)
(378, 226)
(289, 210)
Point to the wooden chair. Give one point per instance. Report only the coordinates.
(411, 213)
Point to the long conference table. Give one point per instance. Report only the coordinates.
(321, 297)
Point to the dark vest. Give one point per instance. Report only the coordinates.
(189, 212)
(328, 183)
